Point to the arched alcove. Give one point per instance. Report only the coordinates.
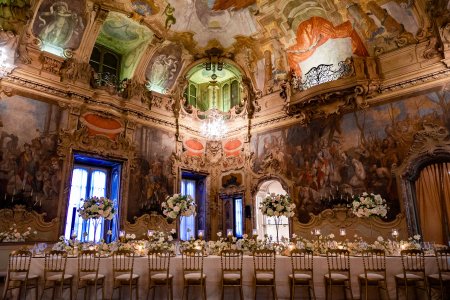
(264, 224)
(431, 146)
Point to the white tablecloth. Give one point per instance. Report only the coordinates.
(212, 270)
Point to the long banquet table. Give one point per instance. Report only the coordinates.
(212, 269)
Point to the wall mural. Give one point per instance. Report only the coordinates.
(350, 154)
(163, 68)
(314, 33)
(152, 180)
(60, 23)
(30, 170)
(145, 7)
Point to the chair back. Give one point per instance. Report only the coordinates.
(338, 260)
(232, 261)
(374, 260)
(88, 262)
(443, 260)
(159, 261)
(19, 262)
(264, 261)
(413, 261)
(55, 262)
(123, 262)
(192, 261)
(302, 261)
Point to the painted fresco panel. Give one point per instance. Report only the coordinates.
(163, 68)
(30, 171)
(60, 23)
(152, 180)
(350, 154)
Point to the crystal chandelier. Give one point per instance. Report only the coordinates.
(214, 128)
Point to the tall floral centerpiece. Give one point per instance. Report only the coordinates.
(178, 206)
(277, 206)
(97, 209)
(368, 205)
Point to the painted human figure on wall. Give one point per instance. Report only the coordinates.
(60, 23)
(315, 32)
(352, 154)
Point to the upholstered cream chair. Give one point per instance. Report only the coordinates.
(193, 276)
(55, 273)
(374, 261)
(123, 275)
(413, 275)
(158, 272)
(231, 261)
(88, 275)
(302, 272)
(264, 268)
(18, 274)
(338, 261)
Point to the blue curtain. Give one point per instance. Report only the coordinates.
(187, 225)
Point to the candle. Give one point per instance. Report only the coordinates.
(317, 231)
(122, 233)
(229, 232)
(150, 233)
(255, 232)
(395, 233)
(342, 232)
(200, 234)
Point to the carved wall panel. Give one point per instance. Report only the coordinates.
(331, 220)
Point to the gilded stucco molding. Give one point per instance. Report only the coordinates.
(144, 222)
(46, 231)
(331, 220)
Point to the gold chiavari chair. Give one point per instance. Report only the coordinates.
(413, 262)
(88, 276)
(158, 272)
(192, 260)
(55, 273)
(338, 261)
(18, 274)
(374, 261)
(123, 276)
(441, 280)
(264, 268)
(232, 261)
(302, 271)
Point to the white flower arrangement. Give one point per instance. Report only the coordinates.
(14, 235)
(160, 241)
(178, 205)
(277, 205)
(368, 205)
(97, 207)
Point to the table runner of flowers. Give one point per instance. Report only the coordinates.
(160, 240)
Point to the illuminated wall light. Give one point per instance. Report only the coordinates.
(5, 66)
(58, 51)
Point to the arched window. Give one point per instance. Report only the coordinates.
(226, 97)
(92, 177)
(264, 224)
(234, 93)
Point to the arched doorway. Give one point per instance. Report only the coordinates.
(264, 224)
(432, 189)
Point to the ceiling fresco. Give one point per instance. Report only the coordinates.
(122, 34)
(208, 20)
(267, 39)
